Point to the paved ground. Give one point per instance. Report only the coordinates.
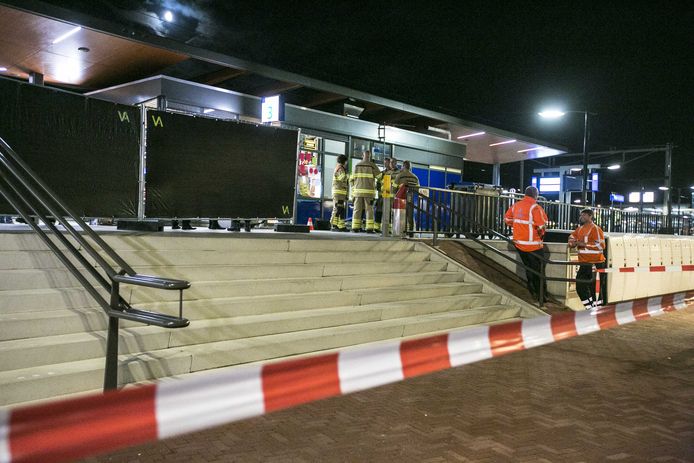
(625, 394)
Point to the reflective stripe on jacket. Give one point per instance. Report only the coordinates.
(364, 180)
(340, 183)
(594, 239)
(528, 220)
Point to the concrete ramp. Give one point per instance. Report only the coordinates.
(251, 300)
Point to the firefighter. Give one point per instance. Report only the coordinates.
(529, 220)
(590, 241)
(387, 195)
(406, 177)
(340, 186)
(364, 191)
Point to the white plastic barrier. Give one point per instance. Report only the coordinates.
(676, 256)
(655, 283)
(662, 254)
(617, 259)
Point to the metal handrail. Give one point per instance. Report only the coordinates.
(565, 215)
(27, 194)
(545, 261)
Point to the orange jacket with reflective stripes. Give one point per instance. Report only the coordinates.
(594, 240)
(528, 220)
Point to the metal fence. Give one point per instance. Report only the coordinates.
(463, 212)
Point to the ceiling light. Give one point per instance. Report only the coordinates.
(614, 167)
(471, 135)
(207, 110)
(577, 201)
(551, 113)
(67, 34)
(692, 187)
(502, 142)
(3, 69)
(575, 169)
(168, 16)
(664, 188)
(529, 149)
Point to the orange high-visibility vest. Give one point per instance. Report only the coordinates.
(528, 220)
(594, 239)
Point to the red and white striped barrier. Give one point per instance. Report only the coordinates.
(76, 428)
(654, 268)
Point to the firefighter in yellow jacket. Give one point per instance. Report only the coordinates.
(363, 181)
(340, 186)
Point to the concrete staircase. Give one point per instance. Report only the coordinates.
(252, 299)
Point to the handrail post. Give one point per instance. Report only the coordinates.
(436, 223)
(111, 370)
(111, 367)
(542, 286)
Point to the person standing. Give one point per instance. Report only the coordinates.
(589, 239)
(387, 195)
(340, 186)
(364, 191)
(528, 220)
(406, 177)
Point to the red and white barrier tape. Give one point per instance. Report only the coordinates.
(655, 268)
(76, 428)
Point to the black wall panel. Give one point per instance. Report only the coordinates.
(200, 167)
(86, 150)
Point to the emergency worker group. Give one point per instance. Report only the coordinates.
(370, 215)
(526, 218)
(528, 221)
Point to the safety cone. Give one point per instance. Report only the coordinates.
(310, 224)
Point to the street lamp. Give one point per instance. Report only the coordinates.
(556, 114)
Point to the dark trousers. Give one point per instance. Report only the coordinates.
(534, 261)
(587, 290)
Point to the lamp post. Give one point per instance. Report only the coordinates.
(556, 114)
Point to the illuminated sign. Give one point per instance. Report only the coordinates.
(310, 143)
(594, 182)
(635, 197)
(615, 198)
(271, 109)
(549, 184)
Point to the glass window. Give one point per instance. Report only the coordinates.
(329, 170)
(359, 146)
(453, 176)
(334, 146)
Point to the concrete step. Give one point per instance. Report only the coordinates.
(41, 259)
(236, 244)
(29, 352)
(62, 278)
(25, 324)
(38, 300)
(28, 241)
(212, 257)
(38, 382)
(238, 288)
(13, 301)
(45, 259)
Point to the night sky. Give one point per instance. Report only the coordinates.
(501, 62)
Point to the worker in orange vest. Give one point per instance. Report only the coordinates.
(590, 241)
(528, 220)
